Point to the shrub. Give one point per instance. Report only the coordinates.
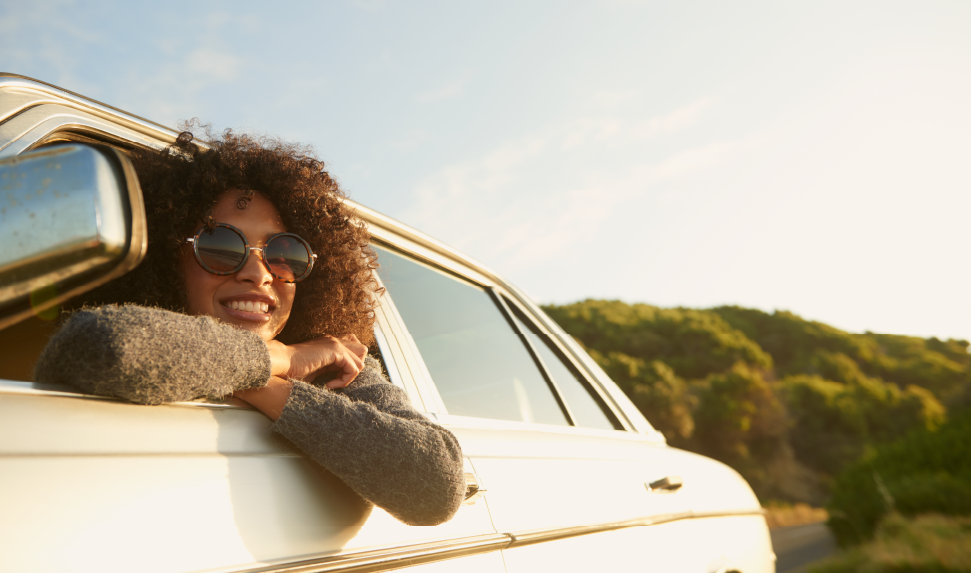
(927, 543)
(928, 471)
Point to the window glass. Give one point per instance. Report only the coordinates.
(478, 363)
(588, 410)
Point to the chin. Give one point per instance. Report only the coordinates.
(264, 331)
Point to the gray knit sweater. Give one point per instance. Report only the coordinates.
(368, 434)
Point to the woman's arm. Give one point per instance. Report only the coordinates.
(305, 361)
(370, 436)
(152, 356)
(367, 433)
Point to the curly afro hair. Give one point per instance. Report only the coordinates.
(182, 184)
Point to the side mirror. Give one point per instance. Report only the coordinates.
(71, 219)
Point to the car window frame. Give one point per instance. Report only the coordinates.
(599, 395)
(501, 296)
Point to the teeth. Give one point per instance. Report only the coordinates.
(249, 306)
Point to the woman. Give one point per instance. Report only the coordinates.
(257, 284)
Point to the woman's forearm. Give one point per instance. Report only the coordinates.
(379, 445)
(270, 399)
(152, 356)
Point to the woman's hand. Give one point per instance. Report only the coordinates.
(306, 360)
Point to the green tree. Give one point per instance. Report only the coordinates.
(927, 471)
(800, 346)
(657, 392)
(740, 421)
(834, 423)
(694, 343)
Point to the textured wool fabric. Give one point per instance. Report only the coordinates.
(388, 452)
(367, 434)
(153, 356)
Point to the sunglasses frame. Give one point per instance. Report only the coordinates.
(194, 241)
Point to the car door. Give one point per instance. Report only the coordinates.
(91, 483)
(565, 478)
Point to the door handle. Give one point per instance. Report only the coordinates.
(473, 489)
(668, 484)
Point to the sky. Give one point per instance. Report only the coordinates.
(809, 156)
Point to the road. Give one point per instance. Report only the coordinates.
(798, 546)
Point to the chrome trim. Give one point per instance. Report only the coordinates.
(386, 357)
(44, 123)
(594, 382)
(629, 412)
(522, 538)
(391, 231)
(544, 370)
(382, 559)
(20, 94)
(421, 553)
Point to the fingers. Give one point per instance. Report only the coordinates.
(354, 345)
(351, 365)
(327, 354)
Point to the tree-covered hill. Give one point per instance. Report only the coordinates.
(786, 401)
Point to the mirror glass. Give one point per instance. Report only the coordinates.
(71, 218)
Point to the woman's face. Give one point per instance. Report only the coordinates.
(214, 295)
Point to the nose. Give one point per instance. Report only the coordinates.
(254, 271)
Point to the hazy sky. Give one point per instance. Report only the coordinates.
(809, 156)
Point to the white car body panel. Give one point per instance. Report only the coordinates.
(95, 484)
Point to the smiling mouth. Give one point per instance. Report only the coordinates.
(249, 309)
(248, 306)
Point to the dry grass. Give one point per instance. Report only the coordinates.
(784, 515)
(927, 543)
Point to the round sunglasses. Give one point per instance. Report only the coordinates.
(222, 249)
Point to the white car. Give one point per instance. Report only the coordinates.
(564, 473)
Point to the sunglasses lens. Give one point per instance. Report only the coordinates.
(222, 250)
(288, 258)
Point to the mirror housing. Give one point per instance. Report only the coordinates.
(71, 219)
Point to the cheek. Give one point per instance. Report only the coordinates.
(198, 285)
(285, 294)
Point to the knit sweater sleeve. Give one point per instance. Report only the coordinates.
(372, 438)
(153, 356)
(366, 434)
